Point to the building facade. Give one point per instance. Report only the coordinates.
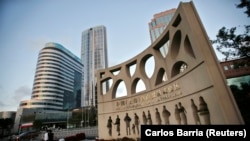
(94, 57)
(57, 82)
(196, 94)
(56, 88)
(237, 73)
(235, 68)
(7, 118)
(157, 25)
(159, 22)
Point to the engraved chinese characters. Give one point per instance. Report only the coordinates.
(184, 113)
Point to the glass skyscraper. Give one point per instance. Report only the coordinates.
(157, 25)
(159, 22)
(94, 57)
(57, 82)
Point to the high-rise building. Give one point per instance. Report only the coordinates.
(157, 25)
(159, 22)
(57, 82)
(56, 88)
(94, 57)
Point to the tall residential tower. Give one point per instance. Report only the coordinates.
(94, 57)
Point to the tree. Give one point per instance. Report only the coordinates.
(242, 97)
(5, 124)
(245, 3)
(232, 45)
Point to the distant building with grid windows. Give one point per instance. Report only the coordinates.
(157, 25)
(94, 57)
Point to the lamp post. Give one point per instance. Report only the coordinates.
(34, 116)
(82, 118)
(88, 116)
(67, 119)
(20, 123)
(85, 118)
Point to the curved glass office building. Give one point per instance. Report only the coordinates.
(57, 82)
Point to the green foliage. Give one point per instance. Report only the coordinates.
(233, 45)
(5, 124)
(243, 4)
(242, 97)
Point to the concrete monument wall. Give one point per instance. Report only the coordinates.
(187, 86)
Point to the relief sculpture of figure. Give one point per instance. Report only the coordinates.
(144, 118)
(133, 128)
(127, 120)
(137, 123)
(195, 113)
(117, 123)
(149, 118)
(204, 111)
(177, 114)
(109, 125)
(183, 114)
(157, 116)
(166, 114)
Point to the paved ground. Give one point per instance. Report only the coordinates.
(91, 134)
(6, 139)
(3, 139)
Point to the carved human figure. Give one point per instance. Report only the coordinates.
(157, 116)
(144, 118)
(117, 123)
(137, 123)
(204, 111)
(166, 114)
(195, 113)
(177, 114)
(183, 114)
(133, 128)
(109, 125)
(149, 118)
(127, 120)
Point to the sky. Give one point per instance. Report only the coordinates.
(27, 25)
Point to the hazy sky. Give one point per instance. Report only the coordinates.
(26, 25)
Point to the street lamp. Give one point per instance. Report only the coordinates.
(67, 119)
(85, 117)
(88, 116)
(20, 123)
(82, 118)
